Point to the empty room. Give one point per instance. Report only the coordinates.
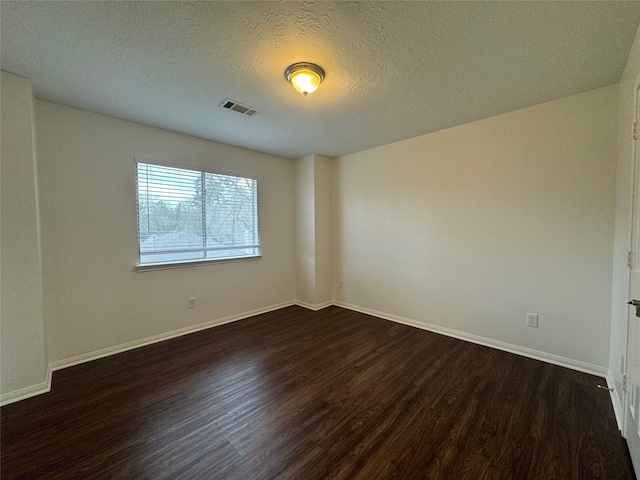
(320, 240)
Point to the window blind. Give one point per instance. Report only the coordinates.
(189, 215)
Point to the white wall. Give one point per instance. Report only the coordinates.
(92, 297)
(23, 358)
(624, 186)
(470, 228)
(313, 230)
(323, 193)
(465, 229)
(305, 230)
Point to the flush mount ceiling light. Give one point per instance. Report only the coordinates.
(304, 77)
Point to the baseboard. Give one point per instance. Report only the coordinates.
(488, 342)
(27, 392)
(316, 307)
(615, 400)
(45, 387)
(518, 350)
(105, 352)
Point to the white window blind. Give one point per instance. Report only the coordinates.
(187, 215)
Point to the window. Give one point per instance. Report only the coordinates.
(187, 215)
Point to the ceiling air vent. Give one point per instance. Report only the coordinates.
(238, 107)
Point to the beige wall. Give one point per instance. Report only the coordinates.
(92, 297)
(470, 228)
(23, 358)
(313, 230)
(322, 189)
(305, 228)
(624, 185)
(465, 230)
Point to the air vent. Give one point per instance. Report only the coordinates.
(238, 107)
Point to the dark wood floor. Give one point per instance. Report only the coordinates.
(334, 394)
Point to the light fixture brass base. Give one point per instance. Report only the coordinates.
(296, 67)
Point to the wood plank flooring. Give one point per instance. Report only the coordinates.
(334, 394)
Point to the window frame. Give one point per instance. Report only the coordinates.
(141, 267)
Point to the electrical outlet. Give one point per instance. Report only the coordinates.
(341, 283)
(191, 302)
(532, 320)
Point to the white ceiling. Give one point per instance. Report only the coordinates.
(394, 70)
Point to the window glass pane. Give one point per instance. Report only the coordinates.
(190, 215)
(230, 215)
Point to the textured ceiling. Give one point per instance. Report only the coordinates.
(394, 70)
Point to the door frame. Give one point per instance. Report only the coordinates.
(634, 246)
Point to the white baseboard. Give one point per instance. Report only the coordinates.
(105, 352)
(316, 307)
(615, 400)
(488, 342)
(27, 392)
(45, 387)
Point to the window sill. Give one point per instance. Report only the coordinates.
(148, 267)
